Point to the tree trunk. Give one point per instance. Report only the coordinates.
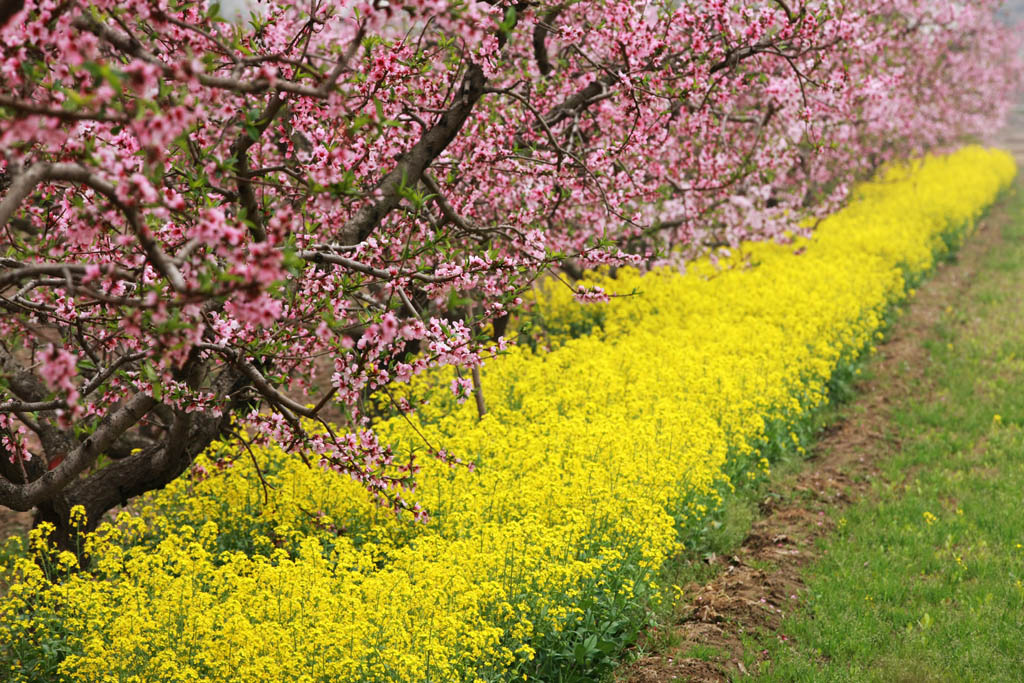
(119, 480)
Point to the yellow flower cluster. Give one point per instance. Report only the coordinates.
(595, 462)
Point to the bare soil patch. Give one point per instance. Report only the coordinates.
(13, 523)
(761, 581)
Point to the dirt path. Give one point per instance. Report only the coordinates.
(761, 582)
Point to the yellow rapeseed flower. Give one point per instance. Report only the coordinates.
(597, 460)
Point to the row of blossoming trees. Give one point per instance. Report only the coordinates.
(211, 224)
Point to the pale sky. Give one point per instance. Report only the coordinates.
(1015, 9)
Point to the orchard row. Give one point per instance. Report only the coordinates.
(596, 461)
(210, 225)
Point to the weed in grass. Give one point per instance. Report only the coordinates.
(706, 653)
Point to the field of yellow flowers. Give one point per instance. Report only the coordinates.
(597, 460)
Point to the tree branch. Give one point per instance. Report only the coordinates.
(24, 497)
(409, 170)
(24, 184)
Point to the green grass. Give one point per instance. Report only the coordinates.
(924, 580)
(706, 653)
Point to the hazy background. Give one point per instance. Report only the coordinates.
(1014, 10)
(1012, 135)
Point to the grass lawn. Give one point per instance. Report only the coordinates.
(923, 580)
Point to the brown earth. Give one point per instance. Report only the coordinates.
(13, 523)
(761, 581)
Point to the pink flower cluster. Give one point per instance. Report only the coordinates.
(316, 206)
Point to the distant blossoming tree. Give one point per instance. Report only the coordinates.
(240, 214)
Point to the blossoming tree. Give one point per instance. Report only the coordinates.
(214, 218)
